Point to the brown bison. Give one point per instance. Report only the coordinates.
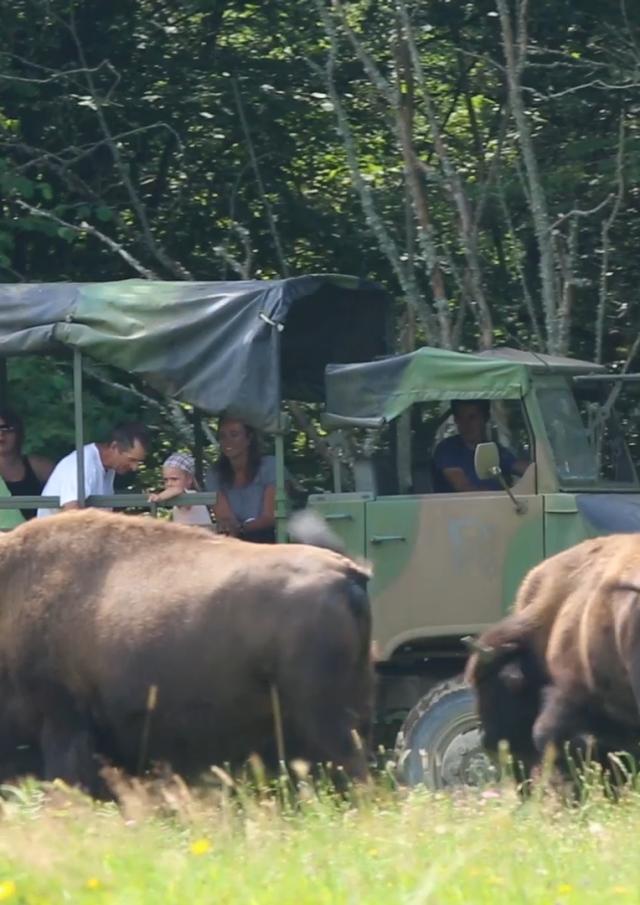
(140, 641)
(565, 665)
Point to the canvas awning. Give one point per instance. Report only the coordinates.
(374, 392)
(235, 346)
(379, 391)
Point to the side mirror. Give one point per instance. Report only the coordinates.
(486, 461)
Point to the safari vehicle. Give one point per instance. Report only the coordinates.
(239, 347)
(447, 565)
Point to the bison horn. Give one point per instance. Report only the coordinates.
(485, 654)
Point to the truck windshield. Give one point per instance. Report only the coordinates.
(588, 425)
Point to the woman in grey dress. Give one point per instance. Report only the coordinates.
(245, 482)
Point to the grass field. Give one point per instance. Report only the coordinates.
(165, 844)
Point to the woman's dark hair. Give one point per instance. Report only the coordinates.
(224, 466)
(12, 419)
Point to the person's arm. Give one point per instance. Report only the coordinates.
(226, 520)
(42, 467)
(68, 485)
(445, 460)
(519, 466)
(168, 494)
(66, 489)
(458, 480)
(267, 517)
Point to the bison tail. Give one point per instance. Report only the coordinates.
(360, 607)
(307, 527)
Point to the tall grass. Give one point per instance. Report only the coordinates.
(255, 843)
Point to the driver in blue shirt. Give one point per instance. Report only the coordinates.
(454, 456)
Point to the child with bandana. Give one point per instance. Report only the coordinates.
(179, 474)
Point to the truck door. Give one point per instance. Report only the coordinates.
(449, 564)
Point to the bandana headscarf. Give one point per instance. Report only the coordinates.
(183, 461)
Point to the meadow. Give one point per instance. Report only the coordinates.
(164, 843)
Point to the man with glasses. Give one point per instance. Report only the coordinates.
(124, 451)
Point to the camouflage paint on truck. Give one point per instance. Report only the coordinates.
(444, 565)
(447, 565)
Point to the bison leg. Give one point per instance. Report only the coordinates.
(557, 722)
(567, 722)
(67, 745)
(329, 724)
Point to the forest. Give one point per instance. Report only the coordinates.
(481, 160)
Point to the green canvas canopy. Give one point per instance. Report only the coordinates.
(236, 346)
(374, 392)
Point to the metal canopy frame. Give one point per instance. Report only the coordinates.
(139, 500)
(114, 501)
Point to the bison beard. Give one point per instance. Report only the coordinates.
(97, 609)
(564, 669)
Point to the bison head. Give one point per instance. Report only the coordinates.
(508, 685)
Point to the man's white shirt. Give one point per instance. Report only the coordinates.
(63, 481)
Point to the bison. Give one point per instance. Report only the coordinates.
(565, 666)
(138, 641)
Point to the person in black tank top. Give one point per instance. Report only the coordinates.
(23, 475)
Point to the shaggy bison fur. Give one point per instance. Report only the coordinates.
(564, 668)
(128, 640)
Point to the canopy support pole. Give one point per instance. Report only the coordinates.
(281, 503)
(281, 507)
(4, 399)
(198, 446)
(78, 421)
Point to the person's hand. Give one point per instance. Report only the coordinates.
(230, 526)
(167, 494)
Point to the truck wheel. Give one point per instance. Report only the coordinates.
(440, 741)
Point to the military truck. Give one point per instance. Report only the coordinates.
(447, 565)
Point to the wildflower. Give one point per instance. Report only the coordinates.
(620, 890)
(7, 890)
(495, 881)
(564, 889)
(93, 883)
(200, 847)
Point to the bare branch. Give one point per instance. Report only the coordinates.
(515, 63)
(403, 106)
(80, 153)
(172, 266)
(56, 74)
(368, 64)
(604, 236)
(526, 292)
(404, 274)
(567, 257)
(86, 228)
(242, 268)
(468, 231)
(577, 212)
(574, 89)
(273, 226)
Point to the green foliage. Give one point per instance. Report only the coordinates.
(127, 117)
